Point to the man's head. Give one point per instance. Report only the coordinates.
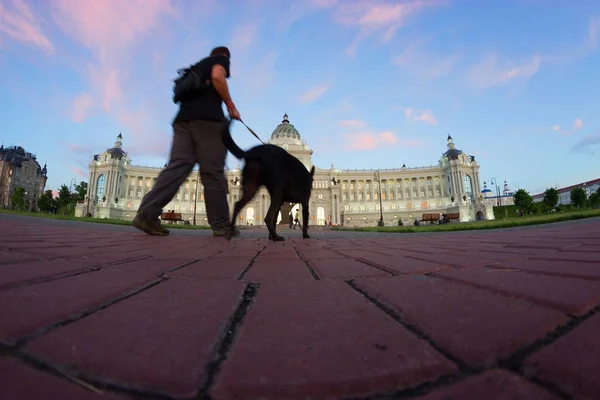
(220, 51)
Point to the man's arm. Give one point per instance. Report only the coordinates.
(219, 80)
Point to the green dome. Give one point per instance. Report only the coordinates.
(285, 130)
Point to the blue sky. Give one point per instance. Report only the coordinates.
(368, 84)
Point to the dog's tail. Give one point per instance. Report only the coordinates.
(230, 144)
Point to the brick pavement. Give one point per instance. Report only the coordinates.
(97, 311)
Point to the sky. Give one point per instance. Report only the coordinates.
(368, 84)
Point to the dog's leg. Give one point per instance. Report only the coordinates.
(249, 189)
(271, 219)
(305, 234)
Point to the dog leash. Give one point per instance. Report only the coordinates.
(251, 131)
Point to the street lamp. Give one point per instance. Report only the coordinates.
(494, 182)
(196, 195)
(73, 183)
(378, 179)
(557, 189)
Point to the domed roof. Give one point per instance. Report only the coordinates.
(117, 152)
(285, 130)
(452, 153)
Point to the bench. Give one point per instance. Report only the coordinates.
(451, 217)
(430, 218)
(171, 217)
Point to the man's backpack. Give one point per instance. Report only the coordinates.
(188, 84)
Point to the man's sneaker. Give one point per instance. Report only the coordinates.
(151, 227)
(227, 231)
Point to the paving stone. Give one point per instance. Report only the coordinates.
(454, 260)
(31, 271)
(229, 268)
(492, 385)
(322, 339)
(469, 323)
(572, 362)
(28, 309)
(319, 254)
(569, 295)
(14, 257)
(560, 268)
(160, 339)
(338, 268)
(22, 382)
(278, 270)
(401, 265)
(590, 257)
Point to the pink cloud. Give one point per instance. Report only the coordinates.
(243, 37)
(80, 109)
(22, 25)
(420, 116)
(314, 93)
(378, 16)
(419, 62)
(577, 125)
(368, 140)
(352, 124)
(489, 72)
(80, 172)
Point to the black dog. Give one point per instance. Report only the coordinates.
(285, 177)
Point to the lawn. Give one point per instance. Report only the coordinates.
(94, 220)
(494, 224)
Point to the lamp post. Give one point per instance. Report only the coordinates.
(378, 179)
(73, 183)
(557, 189)
(196, 195)
(494, 182)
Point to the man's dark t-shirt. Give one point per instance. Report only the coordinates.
(207, 104)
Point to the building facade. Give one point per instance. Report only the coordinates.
(19, 168)
(339, 197)
(564, 194)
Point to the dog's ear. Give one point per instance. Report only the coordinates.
(312, 171)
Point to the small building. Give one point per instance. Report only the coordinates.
(19, 168)
(564, 194)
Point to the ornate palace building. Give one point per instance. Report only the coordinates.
(19, 168)
(348, 197)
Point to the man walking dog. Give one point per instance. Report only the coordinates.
(196, 139)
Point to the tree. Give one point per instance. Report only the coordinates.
(81, 190)
(550, 198)
(595, 199)
(17, 199)
(46, 201)
(523, 200)
(578, 197)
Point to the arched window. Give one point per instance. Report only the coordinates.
(100, 186)
(468, 186)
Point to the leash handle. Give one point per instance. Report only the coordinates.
(251, 131)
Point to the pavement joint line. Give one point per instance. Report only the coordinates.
(464, 368)
(96, 382)
(314, 274)
(68, 274)
(250, 264)
(185, 264)
(366, 262)
(228, 336)
(19, 343)
(514, 363)
(545, 273)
